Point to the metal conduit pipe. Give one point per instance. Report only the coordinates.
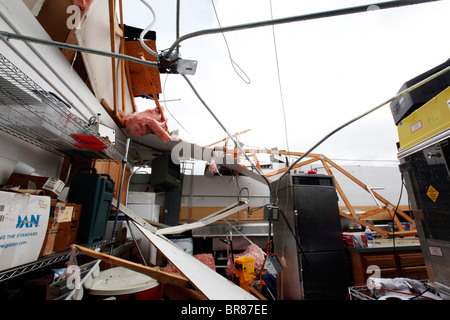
(147, 29)
(417, 85)
(306, 17)
(225, 130)
(9, 35)
(19, 53)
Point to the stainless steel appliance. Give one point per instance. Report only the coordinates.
(308, 235)
(426, 173)
(424, 154)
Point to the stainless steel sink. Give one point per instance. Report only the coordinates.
(241, 234)
(223, 229)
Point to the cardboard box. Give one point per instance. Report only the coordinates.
(62, 227)
(355, 239)
(52, 187)
(23, 225)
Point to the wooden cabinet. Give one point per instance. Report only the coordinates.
(412, 265)
(400, 263)
(114, 169)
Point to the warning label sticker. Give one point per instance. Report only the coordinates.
(416, 126)
(432, 193)
(435, 251)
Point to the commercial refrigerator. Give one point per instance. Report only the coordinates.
(308, 235)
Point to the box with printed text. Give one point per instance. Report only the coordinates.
(23, 225)
(355, 239)
(62, 227)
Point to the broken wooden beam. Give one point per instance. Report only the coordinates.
(161, 276)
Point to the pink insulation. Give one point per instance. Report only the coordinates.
(206, 258)
(145, 122)
(83, 4)
(213, 166)
(252, 251)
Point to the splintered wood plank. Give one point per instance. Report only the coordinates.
(158, 275)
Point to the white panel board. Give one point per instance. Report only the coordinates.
(94, 33)
(210, 283)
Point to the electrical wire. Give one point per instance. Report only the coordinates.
(165, 105)
(164, 101)
(302, 253)
(303, 18)
(306, 17)
(178, 20)
(233, 63)
(262, 268)
(317, 144)
(279, 80)
(149, 27)
(398, 95)
(226, 131)
(393, 221)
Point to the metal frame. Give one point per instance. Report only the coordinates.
(20, 116)
(43, 262)
(382, 204)
(216, 216)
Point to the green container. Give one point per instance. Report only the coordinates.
(95, 192)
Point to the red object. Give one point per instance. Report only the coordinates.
(355, 239)
(312, 172)
(155, 293)
(88, 141)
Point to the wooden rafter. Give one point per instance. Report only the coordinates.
(121, 32)
(388, 205)
(393, 210)
(156, 274)
(112, 26)
(256, 161)
(298, 165)
(225, 139)
(123, 66)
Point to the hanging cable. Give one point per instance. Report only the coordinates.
(224, 129)
(279, 80)
(306, 17)
(233, 63)
(150, 26)
(165, 105)
(398, 95)
(178, 20)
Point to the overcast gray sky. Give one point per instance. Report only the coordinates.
(331, 70)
